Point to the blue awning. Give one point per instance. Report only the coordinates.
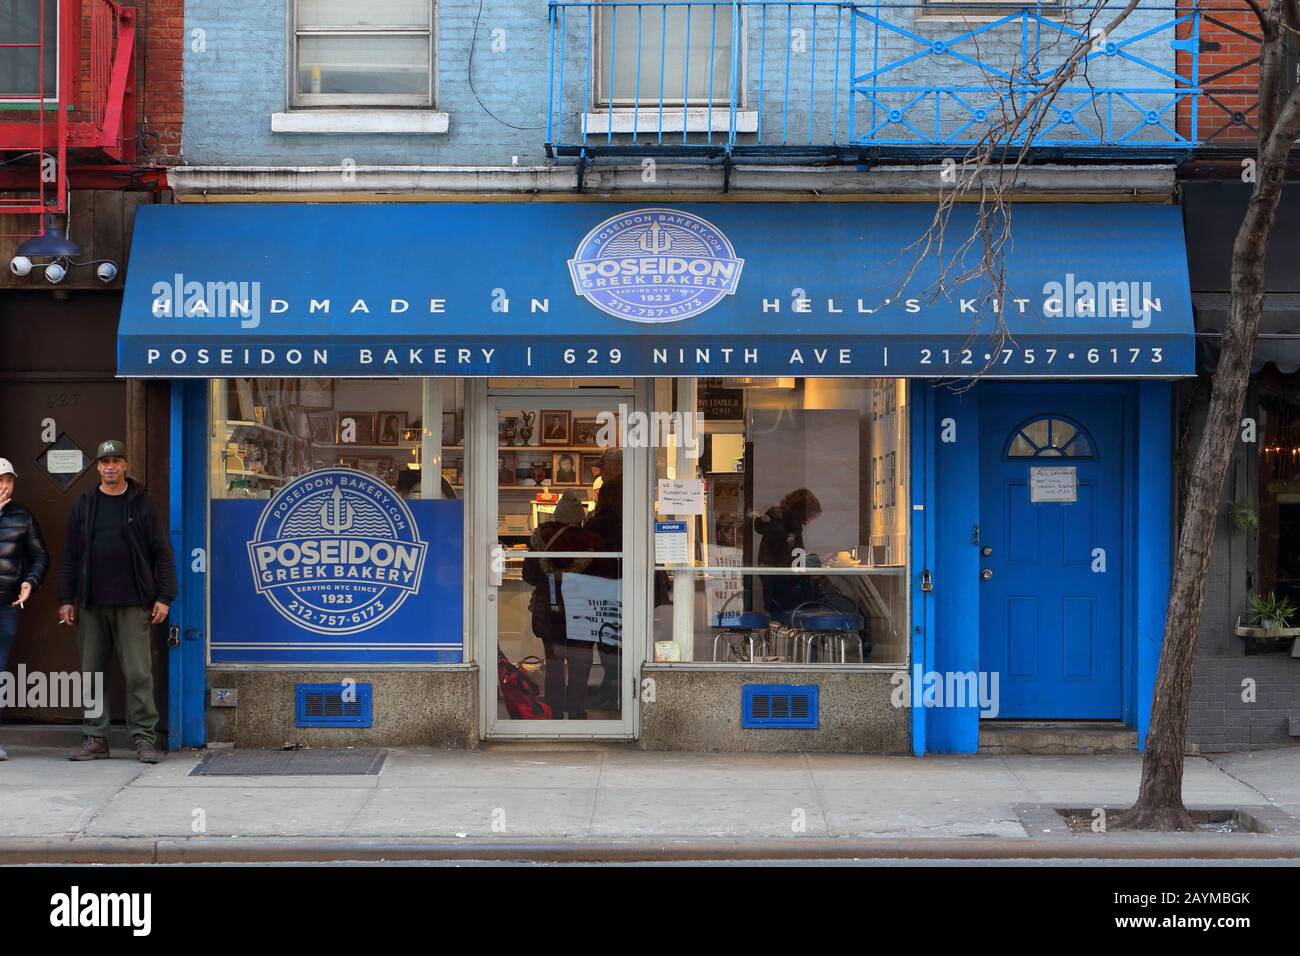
(602, 289)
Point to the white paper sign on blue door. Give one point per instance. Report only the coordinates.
(1058, 484)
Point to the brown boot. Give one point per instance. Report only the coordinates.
(146, 752)
(92, 748)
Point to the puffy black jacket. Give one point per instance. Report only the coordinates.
(22, 552)
(781, 534)
(151, 552)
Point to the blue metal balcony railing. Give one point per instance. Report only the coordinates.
(755, 77)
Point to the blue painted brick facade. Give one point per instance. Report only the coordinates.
(235, 79)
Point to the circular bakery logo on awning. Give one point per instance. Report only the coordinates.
(336, 551)
(655, 265)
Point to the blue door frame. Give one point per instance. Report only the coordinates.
(946, 437)
(187, 660)
(1052, 571)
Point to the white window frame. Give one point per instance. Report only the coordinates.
(51, 97)
(985, 11)
(676, 110)
(299, 100)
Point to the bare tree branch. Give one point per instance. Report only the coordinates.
(1270, 68)
(1159, 804)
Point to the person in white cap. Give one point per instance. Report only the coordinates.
(23, 562)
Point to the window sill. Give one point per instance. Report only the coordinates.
(956, 13)
(647, 120)
(399, 122)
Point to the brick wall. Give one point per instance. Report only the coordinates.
(1227, 72)
(159, 69)
(160, 29)
(239, 80)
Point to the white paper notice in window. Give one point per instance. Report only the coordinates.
(1054, 484)
(681, 496)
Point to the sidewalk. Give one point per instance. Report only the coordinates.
(620, 803)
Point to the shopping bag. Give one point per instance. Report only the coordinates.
(523, 698)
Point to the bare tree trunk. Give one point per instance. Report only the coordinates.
(1159, 804)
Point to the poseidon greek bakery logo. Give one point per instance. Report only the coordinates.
(336, 551)
(655, 265)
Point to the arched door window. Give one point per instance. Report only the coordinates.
(1050, 436)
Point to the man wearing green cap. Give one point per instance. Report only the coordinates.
(117, 565)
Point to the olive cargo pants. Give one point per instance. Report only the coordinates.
(99, 631)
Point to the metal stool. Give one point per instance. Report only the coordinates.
(820, 628)
(738, 628)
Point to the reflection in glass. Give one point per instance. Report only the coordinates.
(1048, 437)
(1062, 432)
(560, 603)
(800, 553)
(1036, 432)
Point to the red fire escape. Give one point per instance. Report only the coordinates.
(84, 127)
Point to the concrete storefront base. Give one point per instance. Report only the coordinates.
(699, 709)
(411, 708)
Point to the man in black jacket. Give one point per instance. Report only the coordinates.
(23, 560)
(118, 567)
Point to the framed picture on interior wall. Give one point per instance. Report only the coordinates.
(362, 431)
(590, 469)
(316, 393)
(557, 427)
(321, 427)
(244, 395)
(564, 468)
(585, 430)
(506, 468)
(533, 470)
(450, 432)
(391, 426)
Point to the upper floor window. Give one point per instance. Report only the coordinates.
(678, 54)
(21, 66)
(377, 53)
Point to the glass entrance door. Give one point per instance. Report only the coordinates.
(558, 519)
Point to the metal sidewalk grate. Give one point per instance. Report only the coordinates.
(286, 763)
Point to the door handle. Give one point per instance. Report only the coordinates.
(927, 584)
(174, 636)
(987, 574)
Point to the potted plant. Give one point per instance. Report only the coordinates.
(1268, 620)
(1243, 516)
(1270, 613)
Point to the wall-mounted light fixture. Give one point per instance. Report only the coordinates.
(61, 252)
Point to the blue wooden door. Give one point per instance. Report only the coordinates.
(1051, 551)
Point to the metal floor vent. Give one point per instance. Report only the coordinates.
(286, 763)
(780, 705)
(334, 705)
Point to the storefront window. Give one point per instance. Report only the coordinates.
(781, 522)
(266, 432)
(336, 529)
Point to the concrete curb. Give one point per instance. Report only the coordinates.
(320, 849)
